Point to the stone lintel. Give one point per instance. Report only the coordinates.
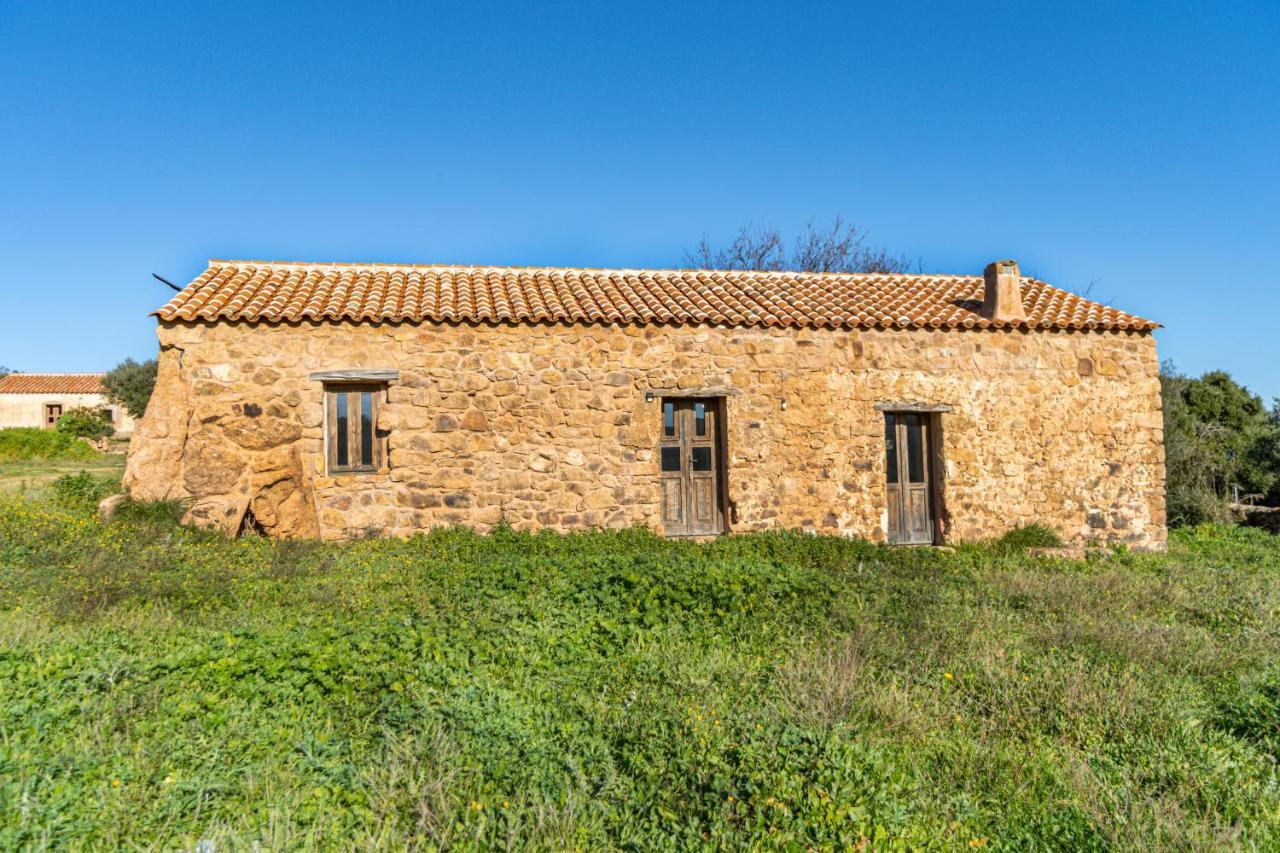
(913, 407)
(692, 392)
(370, 375)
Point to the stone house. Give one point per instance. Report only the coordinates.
(39, 399)
(340, 400)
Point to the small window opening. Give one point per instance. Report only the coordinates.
(354, 445)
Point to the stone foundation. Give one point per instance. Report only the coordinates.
(546, 426)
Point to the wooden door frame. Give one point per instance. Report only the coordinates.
(715, 409)
(931, 421)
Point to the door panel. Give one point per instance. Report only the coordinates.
(909, 486)
(690, 468)
(671, 463)
(704, 505)
(672, 502)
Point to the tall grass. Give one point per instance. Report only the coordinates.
(160, 685)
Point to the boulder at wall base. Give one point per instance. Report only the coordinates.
(283, 509)
(217, 513)
(210, 469)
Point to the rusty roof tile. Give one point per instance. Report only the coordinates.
(51, 383)
(276, 292)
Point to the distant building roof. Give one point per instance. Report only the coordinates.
(52, 383)
(274, 292)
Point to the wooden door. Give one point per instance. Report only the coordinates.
(909, 488)
(690, 468)
(52, 411)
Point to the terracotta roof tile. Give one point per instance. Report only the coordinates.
(51, 383)
(275, 292)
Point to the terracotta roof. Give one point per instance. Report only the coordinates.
(51, 383)
(272, 292)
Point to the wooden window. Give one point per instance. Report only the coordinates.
(351, 428)
(52, 411)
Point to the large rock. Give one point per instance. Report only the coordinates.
(210, 466)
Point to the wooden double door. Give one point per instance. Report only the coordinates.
(909, 470)
(689, 458)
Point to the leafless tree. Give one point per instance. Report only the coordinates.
(839, 247)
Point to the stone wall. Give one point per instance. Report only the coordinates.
(27, 410)
(547, 426)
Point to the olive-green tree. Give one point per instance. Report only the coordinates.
(1219, 439)
(130, 384)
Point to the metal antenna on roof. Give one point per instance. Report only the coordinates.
(166, 281)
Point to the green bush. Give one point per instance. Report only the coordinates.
(1187, 507)
(154, 514)
(23, 443)
(83, 422)
(1020, 539)
(84, 491)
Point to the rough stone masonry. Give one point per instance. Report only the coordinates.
(556, 424)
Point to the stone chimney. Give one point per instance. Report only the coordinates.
(1002, 300)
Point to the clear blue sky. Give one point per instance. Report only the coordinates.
(1133, 144)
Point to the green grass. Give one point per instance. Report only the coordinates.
(33, 478)
(25, 443)
(159, 686)
(31, 460)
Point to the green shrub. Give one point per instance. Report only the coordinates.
(83, 422)
(22, 443)
(1188, 507)
(84, 491)
(1020, 539)
(153, 514)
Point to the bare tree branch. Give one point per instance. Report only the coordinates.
(839, 247)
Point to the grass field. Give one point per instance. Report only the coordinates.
(159, 686)
(36, 475)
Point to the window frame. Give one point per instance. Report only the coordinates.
(378, 445)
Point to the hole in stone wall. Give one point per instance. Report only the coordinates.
(249, 525)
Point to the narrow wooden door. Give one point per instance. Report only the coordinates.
(52, 411)
(909, 478)
(689, 462)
